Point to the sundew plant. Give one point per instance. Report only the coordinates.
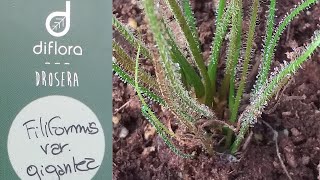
(205, 105)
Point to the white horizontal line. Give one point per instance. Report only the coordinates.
(57, 63)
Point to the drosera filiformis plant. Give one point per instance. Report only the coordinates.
(207, 106)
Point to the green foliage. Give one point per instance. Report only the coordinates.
(147, 112)
(272, 42)
(274, 83)
(203, 108)
(221, 30)
(125, 32)
(177, 56)
(246, 61)
(233, 51)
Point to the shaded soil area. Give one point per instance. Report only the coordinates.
(138, 153)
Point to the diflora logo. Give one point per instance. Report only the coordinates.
(58, 23)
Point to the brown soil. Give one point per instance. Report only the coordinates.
(296, 118)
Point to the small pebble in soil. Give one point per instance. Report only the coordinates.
(148, 150)
(116, 119)
(291, 160)
(286, 132)
(295, 132)
(308, 13)
(132, 23)
(124, 132)
(149, 131)
(299, 140)
(287, 113)
(275, 164)
(305, 160)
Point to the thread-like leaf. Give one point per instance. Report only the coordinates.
(251, 115)
(128, 35)
(168, 74)
(190, 20)
(147, 93)
(247, 57)
(136, 84)
(269, 50)
(147, 112)
(127, 64)
(233, 50)
(222, 4)
(259, 100)
(193, 46)
(191, 76)
(270, 22)
(221, 30)
(187, 109)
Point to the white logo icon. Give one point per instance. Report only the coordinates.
(58, 23)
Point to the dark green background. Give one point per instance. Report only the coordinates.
(22, 25)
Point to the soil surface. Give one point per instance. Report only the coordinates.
(138, 153)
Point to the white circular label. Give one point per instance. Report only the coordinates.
(56, 138)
